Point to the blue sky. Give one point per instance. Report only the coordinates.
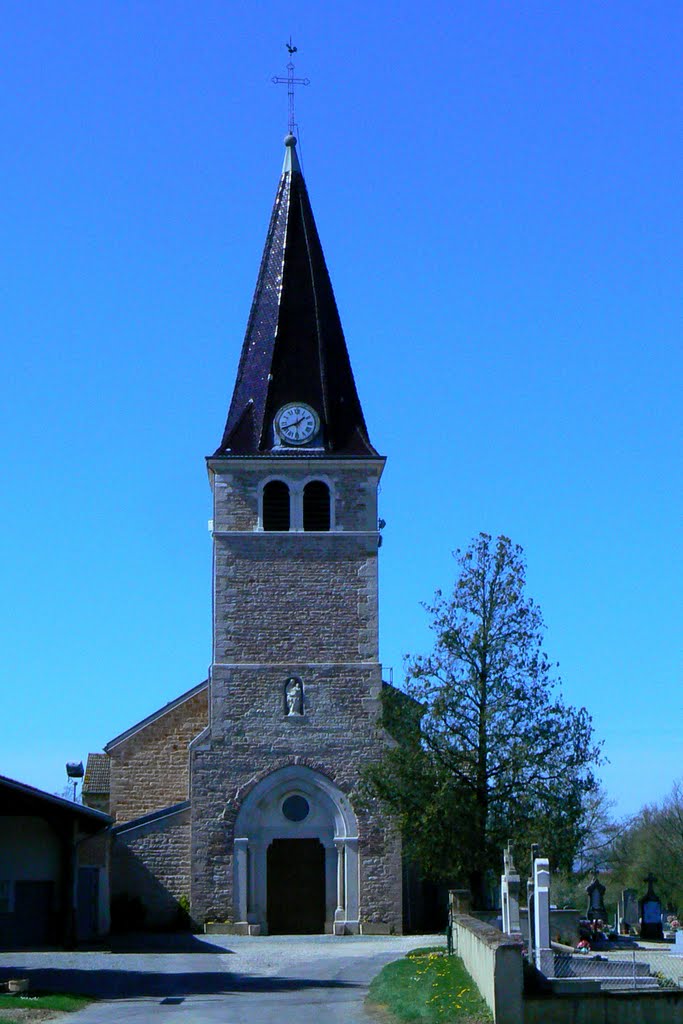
(497, 188)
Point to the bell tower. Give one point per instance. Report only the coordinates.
(280, 841)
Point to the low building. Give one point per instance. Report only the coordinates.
(54, 869)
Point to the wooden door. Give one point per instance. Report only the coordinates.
(296, 887)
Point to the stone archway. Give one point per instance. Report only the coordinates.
(287, 817)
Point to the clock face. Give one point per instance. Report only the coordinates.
(296, 423)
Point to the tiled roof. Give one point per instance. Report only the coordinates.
(294, 349)
(20, 798)
(97, 771)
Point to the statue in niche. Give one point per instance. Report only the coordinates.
(294, 696)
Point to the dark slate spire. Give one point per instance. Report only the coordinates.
(294, 348)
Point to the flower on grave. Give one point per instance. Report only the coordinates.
(674, 923)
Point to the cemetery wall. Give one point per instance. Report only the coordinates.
(564, 924)
(494, 961)
(607, 1007)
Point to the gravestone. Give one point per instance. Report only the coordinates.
(535, 849)
(650, 912)
(509, 894)
(596, 900)
(630, 913)
(543, 953)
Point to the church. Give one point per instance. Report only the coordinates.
(241, 799)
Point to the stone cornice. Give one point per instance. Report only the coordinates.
(279, 534)
(258, 463)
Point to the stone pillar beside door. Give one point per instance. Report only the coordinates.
(241, 881)
(352, 885)
(330, 885)
(347, 913)
(340, 912)
(245, 918)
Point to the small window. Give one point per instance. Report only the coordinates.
(316, 506)
(296, 808)
(276, 506)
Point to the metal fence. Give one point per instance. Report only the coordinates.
(628, 969)
(451, 934)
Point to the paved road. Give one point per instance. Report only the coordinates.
(232, 979)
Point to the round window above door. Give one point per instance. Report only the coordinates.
(296, 808)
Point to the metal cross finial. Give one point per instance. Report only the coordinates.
(290, 81)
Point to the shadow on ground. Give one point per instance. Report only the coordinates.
(113, 984)
(136, 942)
(165, 942)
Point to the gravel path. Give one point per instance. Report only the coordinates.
(232, 979)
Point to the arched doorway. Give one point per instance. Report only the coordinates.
(296, 855)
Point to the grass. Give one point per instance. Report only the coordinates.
(428, 986)
(63, 1003)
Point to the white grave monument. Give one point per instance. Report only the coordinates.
(542, 950)
(509, 894)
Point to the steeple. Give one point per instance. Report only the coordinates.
(294, 349)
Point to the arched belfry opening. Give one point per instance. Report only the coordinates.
(276, 506)
(296, 855)
(317, 506)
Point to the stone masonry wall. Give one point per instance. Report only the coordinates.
(266, 612)
(150, 770)
(152, 863)
(341, 712)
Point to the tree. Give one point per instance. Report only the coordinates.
(489, 752)
(653, 843)
(600, 831)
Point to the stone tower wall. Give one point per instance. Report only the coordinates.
(304, 605)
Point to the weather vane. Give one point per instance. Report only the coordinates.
(290, 81)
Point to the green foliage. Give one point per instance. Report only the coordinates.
(183, 918)
(494, 753)
(428, 986)
(568, 891)
(653, 843)
(63, 1003)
